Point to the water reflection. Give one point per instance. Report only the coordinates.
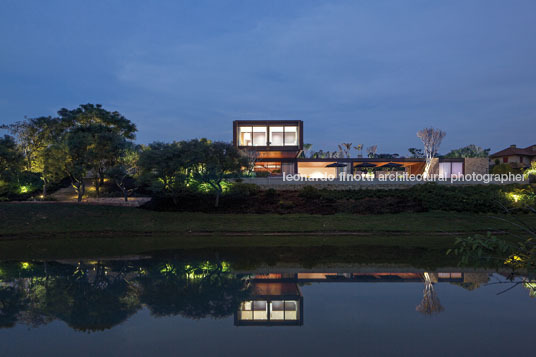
(98, 295)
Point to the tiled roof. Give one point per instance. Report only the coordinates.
(512, 150)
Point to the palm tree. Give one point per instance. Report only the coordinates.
(345, 147)
(371, 150)
(306, 148)
(359, 149)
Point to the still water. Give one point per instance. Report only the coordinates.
(139, 306)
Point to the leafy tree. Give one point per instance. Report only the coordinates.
(74, 157)
(35, 135)
(11, 159)
(106, 149)
(89, 114)
(125, 168)
(502, 169)
(163, 166)
(110, 133)
(216, 162)
(387, 156)
(416, 153)
(469, 151)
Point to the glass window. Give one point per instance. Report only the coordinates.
(245, 136)
(260, 310)
(457, 169)
(291, 136)
(444, 169)
(259, 136)
(450, 169)
(276, 136)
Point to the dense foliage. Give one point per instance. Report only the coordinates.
(89, 144)
(469, 151)
(248, 198)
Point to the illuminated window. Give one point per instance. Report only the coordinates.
(259, 136)
(450, 169)
(291, 135)
(245, 136)
(276, 136)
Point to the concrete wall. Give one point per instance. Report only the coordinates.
(478, 165)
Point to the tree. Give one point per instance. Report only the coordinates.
(218, 160)
(430, 302)
(306, 149)
(250, 156)
(125, 168)
(416, 153)
(105, 151)
(163, 166)
(431, 139)
(11, 159)
(345, 149)
(386, 156)
(76, 157)
(371, 150)
(88, 114)
(111, 131)
(35, 136)
(359, 149)
(469, 151)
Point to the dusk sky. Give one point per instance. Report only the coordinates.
(371, 72)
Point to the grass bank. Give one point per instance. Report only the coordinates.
(35, 220)
(71, 231)
(72, 220)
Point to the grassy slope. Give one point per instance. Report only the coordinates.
(55, 231)
(42, 219)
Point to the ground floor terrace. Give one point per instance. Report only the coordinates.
(369, 167)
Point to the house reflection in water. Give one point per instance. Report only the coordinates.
(274, 303)
(277, 299)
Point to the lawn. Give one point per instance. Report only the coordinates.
(71, 231)
(35, 220)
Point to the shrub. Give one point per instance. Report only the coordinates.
(287, 204)
(243, 189)
(310, 193)
(270, 195)
(262, 174)
(502, 169)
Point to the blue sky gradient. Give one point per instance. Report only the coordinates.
(371, 72)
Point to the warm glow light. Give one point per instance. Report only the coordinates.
(24, 189)
(25, 265)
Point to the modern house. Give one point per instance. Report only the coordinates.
(518, 158)
(278, 147)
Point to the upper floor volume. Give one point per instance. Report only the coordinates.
(269, 135)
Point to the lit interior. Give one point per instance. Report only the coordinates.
(317, 170)
(262, 310)
(258, 135)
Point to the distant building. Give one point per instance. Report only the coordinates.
(516, 157)
(278, 145)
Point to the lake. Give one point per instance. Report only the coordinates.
(181, 304)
